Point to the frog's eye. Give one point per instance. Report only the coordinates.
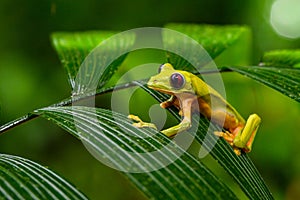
(177, 80)
(160, 68)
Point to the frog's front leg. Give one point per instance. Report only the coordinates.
(186, 109)
(169, 102)
(141, 124)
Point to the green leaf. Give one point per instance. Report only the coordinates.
(23, 179)
(240, 167)
(78, 53)
(112, 137)
(214, 39)
(289, 58)
(285, 80)
(75, 48)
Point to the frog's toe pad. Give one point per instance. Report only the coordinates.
(237, 151)
(134, 118)
(138, 125)
(144, 125)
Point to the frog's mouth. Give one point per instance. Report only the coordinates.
(161, 90)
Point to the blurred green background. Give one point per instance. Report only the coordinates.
(31, 77)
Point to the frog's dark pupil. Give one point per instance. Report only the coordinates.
(177, 81)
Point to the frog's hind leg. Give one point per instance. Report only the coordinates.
(244, 139)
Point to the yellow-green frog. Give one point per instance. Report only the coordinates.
(190, 94)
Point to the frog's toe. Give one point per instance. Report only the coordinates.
(134, 118)
(237, 151)
(145, 125)
(226, 135)
(137, 124)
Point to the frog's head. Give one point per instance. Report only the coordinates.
(171, 81)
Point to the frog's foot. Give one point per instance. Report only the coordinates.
(229, 137)
(139, 123)
(226, 135)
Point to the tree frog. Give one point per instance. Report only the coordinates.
(191, 95)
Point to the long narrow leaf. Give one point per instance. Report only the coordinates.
(23, 179)
(284, 80)
(110, 136)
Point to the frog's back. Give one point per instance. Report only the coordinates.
(213, 97)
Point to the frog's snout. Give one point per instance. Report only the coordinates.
(152, 81)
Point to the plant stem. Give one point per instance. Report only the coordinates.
(16, 122)
(77, 98)
(65, 102)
